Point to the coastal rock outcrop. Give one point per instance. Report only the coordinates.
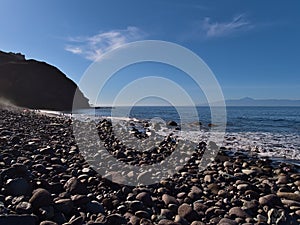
(36, 85)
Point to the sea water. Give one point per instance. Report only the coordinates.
(271, 131)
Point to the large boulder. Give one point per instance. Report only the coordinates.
(36, 85)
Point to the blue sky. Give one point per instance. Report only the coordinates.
(252, 46)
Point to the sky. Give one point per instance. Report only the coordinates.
(252, 47)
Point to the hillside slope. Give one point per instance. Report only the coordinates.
(36, 85)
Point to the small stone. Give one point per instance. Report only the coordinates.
(47, 212)
(194, 180)
(145, 197)
(180, 220)
(172, 123)
(145, 221)
(227, 164)
(214, 188)
(251, 205)
(94, 207)
(168, 199)
(181, 195)
(39, 168)
(134, 220)
(114, 219)
(24, 208)
(261, 218)
(282, 179)
(290, 203)
(199, 207)
(107, 203)
(195, 193)
(41, 197)
(211, 211)
(249, 220)
(187, 212)
(80, 199)
(252, 194)
(276, 216)
(226, 221)
(167, 222)
(136, 205)
(74, 186)
(173, 207)
(248, 172)
(197, 223)
(64, 205)
(48, 222)
(142, 214)
(46, 151)
(101, 219)
(86, 170)
(76, 221)
(166, 213)
(269, 200)
(243, 187)
(223, 193)
(208, 178)
(289, 195)
(122, 209)
(18, 186)
(238, 212)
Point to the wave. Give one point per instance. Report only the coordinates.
(272, 144)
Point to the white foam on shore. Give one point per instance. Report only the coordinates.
(282, 145)
(49, 112)
(122, 119)
(52, 113)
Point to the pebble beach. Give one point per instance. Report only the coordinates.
(44, 179)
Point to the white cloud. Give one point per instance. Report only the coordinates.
(219, 29)
(73, 49)
(93, 47)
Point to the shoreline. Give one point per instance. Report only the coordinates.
(284, 145)
(40, 162)
(263, 150)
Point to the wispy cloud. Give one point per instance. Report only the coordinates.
(208, 28)
(93, 47)
(219, 29)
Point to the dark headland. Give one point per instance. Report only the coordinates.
(36, 85)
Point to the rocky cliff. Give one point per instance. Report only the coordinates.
(36, 85)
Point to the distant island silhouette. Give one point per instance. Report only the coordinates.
(247, 101)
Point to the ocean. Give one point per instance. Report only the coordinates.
(271, 131)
